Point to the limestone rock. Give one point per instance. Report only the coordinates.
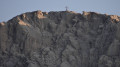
(60, 39)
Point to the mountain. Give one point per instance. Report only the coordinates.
(60, 39)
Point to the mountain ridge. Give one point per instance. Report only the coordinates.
(112, 16)
(60, 39)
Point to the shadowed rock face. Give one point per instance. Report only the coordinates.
(60, 39)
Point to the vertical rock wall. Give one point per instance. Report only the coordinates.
(60, 39)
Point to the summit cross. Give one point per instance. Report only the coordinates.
(66, 8)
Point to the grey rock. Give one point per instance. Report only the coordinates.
(60, 39)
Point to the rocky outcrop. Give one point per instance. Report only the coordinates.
(60, 39)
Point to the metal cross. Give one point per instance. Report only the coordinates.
(66, 8)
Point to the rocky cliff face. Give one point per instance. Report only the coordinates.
(60, 39)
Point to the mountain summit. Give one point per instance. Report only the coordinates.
(60, 39)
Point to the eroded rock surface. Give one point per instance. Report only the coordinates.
(60, 39)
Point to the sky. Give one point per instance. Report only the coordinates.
(12, 8)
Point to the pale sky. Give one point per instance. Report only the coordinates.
(12, 8)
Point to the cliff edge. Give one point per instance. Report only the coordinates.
(60, 39)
